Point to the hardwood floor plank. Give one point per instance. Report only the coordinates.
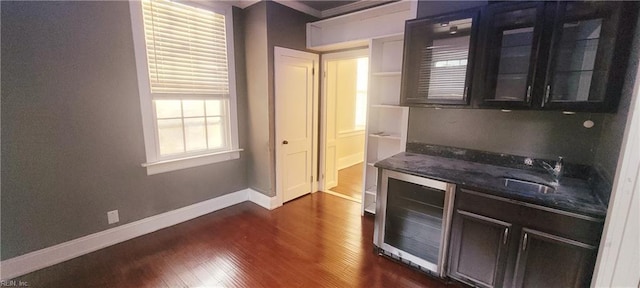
(350, 182)
(319, 240)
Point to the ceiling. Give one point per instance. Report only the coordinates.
(330, 8)
(325, 5)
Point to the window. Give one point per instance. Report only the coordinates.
(361, 93)
(185, 64)
(449, 68)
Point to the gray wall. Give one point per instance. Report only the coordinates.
(268, 24)
(259, 157)
(72, 139)
(613, 128)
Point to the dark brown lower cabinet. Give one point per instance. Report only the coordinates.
(546, 260)
(498, 242)
(478, 249)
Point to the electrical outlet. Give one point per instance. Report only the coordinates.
(113, 217)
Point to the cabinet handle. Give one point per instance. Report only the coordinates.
(504, 236)
(547, 92)
(524, 242)
(528, 93)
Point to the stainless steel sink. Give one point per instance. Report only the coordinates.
(526, 186)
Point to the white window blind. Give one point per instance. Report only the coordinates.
(444, 68)
(186, 50)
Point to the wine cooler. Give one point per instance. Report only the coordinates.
(413, 219)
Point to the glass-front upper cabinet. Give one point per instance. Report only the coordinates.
(588, 55)
(438, 59)
(511, 36)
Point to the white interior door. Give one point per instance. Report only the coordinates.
(295, 86)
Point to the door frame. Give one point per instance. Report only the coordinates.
(345, 55)
(278, 53)
(619, 223)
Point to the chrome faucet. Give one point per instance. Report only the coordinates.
(555, 171)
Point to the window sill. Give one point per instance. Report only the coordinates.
(192, 161)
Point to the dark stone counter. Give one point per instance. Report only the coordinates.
(571, 194)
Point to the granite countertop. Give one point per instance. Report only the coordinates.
(571, 194)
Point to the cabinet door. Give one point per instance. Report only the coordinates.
(510, 52)
(546, 260)
(478, 249)
(588, 55)
(437, 59)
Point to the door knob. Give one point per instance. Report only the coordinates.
(285, 142)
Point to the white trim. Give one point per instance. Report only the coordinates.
(357, 28)
(299, 6)
(146, 100)
(352, 54)
(348, 161)
(263, 200)
(620, 225)
(49, 256)
(192, 161)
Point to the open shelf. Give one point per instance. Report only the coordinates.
(386, 74)
(372, 190)
(387, 121)
(387, 106)
(386, 136)
(371, 208)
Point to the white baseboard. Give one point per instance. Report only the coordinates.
(350, 160)
(263, 200)
(49, 256)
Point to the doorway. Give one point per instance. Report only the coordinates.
(343, 117)
(295, 98)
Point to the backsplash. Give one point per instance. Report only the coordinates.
(538, 134)
(499, 159)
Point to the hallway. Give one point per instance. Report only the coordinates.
(350, 182)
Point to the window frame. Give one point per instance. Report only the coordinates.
(154, 162)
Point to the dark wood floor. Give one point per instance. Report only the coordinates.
(350, 182)
(319, 240)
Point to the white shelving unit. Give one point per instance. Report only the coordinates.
(357, 28)
(386, 120)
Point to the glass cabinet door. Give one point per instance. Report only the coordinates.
(582, 53)
(437, 64)
(511, 42)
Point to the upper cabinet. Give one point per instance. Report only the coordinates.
(562, 55)
(437, 67)
(565, 55)
(588, 54)
(511, 44)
